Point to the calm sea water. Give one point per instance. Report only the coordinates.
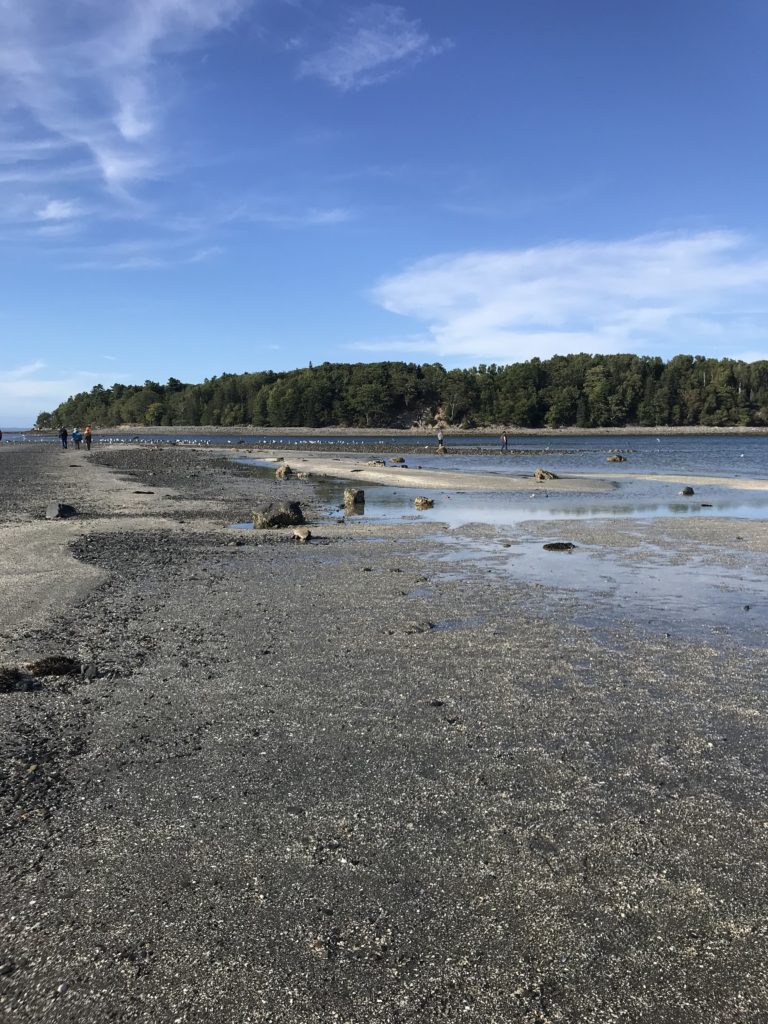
(745, 457)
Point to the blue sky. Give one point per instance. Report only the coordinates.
(191, 187)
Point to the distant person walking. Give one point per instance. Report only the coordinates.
(87, 437)
(504, 442)
(77, 437)
(63, 434)
(439, 439)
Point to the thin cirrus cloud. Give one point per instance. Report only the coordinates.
(654, 293)
(37, 383)
(84, 74)
(59, 209)
(376, 43)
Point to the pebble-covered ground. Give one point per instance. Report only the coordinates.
(341, 782)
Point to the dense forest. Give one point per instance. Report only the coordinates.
(574, 390)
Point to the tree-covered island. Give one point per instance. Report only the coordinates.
(564, 391)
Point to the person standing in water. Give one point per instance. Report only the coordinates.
(439, 438)
(87, 437)
(504, 442)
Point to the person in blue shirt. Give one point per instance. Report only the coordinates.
(77, 437)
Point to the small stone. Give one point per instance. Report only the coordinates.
(302, 534)
(62, 989)
(687, 492)
(6, 968)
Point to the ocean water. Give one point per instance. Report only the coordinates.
(707, 455)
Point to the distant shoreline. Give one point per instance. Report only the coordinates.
(247, 430)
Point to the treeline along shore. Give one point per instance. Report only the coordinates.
(575, 391)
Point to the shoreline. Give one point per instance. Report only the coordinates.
(347, 466)
(247, 430)
(379, 777)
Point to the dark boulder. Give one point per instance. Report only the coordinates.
(687, 492)
(559, 545)
(278, 513)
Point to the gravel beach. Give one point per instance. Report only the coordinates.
(350, 781)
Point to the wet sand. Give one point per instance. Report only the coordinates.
(357, 781)
(354, 467)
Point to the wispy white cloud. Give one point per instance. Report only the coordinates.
(283, 217)
(671, 292)
(149, 255)
(37, 386)
(85, 72)
(377, 41)
(59, 209)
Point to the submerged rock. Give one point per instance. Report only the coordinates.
(277, 514)
(616, 458)
(559, 545)
(422, 502)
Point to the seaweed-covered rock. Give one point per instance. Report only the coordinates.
(283, 472)
(545, 474)
(278, 513)
(421, 502)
